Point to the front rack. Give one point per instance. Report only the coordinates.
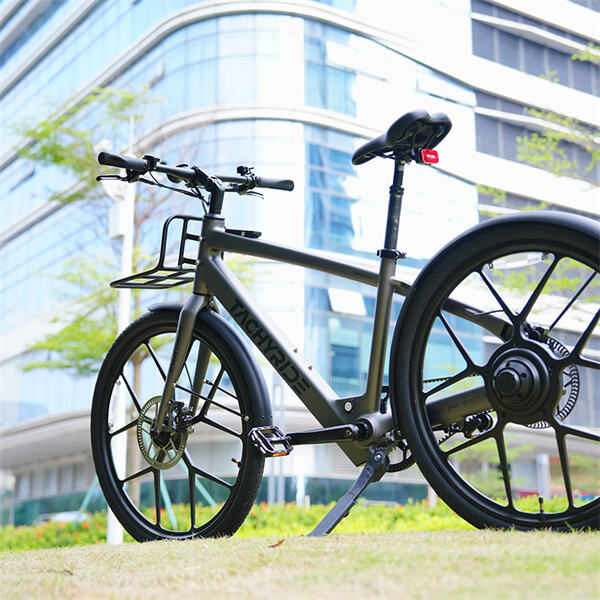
(162, 276)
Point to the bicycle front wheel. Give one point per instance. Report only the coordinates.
(194, 482)
(527, 455)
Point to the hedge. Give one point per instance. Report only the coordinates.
(264, 520)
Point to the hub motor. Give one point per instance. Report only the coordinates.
(520, 386)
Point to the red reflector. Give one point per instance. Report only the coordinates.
(429, 156)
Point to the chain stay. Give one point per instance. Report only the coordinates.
(407, 458)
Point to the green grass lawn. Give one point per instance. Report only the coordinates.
(411, 565)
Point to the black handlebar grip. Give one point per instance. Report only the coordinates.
(275, 184)
(123, 162)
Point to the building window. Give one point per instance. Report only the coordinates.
(31, 30)
(591, 4)
(498, 137)
(516, 51)
(329, 217)
(327, 85)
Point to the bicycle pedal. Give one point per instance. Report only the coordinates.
(270, 441)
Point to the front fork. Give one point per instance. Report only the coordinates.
(181, 349)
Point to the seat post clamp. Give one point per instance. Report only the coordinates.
(391, 253)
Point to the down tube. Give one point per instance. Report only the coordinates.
(285, 358)
(307, 384)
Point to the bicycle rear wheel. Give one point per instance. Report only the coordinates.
(198, 482)
(526, 456)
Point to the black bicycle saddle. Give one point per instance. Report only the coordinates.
(415, 130)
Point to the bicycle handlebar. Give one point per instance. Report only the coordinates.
(123, 162)
(191, 175)
(287, 185)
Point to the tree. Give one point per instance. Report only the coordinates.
(67, 140)
(547, 149)
(89, 327)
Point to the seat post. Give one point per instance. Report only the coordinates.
(371, 400)
(394, 207)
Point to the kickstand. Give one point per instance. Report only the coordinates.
(373, 470)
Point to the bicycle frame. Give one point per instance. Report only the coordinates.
(214, 278)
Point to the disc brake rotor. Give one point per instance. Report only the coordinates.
(163, 451)
(571, 386)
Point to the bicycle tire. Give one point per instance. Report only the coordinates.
(549, 236)
(245, 392)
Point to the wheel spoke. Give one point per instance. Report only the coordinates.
(454, 379)
(537, 291)
(157, 497)
(125, 428)
(155, 359)
(138, 474)
(222, 390)
(198, 471)
(586, 362)
(206, 399)
(564, 465)
(585, 336)
(187, 372)
(567, 430)
(571, 302)
(212, 392)
(455, 339)
(471, 442)
(131, 393)
(192, 493)
(504, 466)
(218, 426)
(496, 295)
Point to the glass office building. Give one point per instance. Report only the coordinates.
(291, 88)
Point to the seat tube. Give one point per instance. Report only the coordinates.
(389, 255)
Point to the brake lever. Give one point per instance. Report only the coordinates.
(113, 177)
(244, 190)
(131, 177)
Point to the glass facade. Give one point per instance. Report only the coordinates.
(194, 64)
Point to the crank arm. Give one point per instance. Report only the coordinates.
(339, 433)
(449, 410)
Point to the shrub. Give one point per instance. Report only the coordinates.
(264, 520)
